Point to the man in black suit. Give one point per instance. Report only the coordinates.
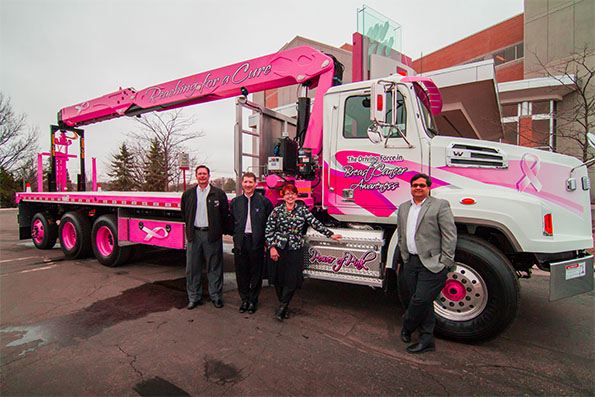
(249, 213)
(205, 210)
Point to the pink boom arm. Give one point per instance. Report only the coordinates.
(293, 66)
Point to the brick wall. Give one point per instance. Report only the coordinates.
(489, 40)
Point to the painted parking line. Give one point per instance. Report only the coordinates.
(37, 269)
(18, 259)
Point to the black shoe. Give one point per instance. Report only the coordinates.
(405, 336)
(218, 303)
(252, 308)
(280, 313)
(420, 348)
(192, 305)
(286, 313)
(244, 307)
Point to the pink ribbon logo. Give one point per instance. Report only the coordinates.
(530, 167)
(154, 233)
(81, 107)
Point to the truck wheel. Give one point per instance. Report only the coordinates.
(105, 242)
(44, 231)
(75, 235)
(481, 295)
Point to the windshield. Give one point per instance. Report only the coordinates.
(424, 104)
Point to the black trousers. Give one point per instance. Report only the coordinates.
(286, 273)
(199, 252)
(425, 286)
(249, 263)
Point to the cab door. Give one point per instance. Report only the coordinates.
(369, 180)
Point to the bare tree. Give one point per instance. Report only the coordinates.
(172, 131)
(18, 143)
(575, 121)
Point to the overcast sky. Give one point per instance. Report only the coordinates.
(57, 53)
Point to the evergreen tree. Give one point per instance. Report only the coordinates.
(155, 169)
(122, 169)
(229, 186)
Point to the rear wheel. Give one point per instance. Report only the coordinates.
(105, 242)
(481, 296)
(75, 235)
(44, 231)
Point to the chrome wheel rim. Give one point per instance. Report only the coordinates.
(464, 296)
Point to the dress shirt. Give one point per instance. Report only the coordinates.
(248, 229)
(411, 226)
(201, 219)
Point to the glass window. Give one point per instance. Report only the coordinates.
(540, 107)
(357, 116)
(510, 110)
(510, 133)
(541, 133)
(520, 49)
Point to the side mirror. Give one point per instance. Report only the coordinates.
(591, 139)
(378, 103)
(375, 133)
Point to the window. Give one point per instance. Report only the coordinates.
(510, 132)
(530, 124)
(357, 116)
(508, 54)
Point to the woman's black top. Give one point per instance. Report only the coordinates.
(284, 228)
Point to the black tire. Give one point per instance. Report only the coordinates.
(104, 240)
(75, 235)
(44, 231)
(481, 297)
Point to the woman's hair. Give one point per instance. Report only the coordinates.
(289, 187)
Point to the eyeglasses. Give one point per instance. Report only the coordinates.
(418, 185)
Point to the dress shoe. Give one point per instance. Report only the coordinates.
(252, 308)
(280, 313)
(405, 336)
(420, 348)
(218, 303)
(192, 305)
(244, 307)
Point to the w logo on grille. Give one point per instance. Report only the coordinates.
(458, 154)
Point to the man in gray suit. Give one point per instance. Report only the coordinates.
(427, 240)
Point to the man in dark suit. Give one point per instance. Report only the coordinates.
(427, 241)
(205, 210)
(249, 213)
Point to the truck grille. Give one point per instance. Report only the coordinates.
(464, 155)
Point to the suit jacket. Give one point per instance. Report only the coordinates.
(260, 209)
(217, 213)
(435, 236)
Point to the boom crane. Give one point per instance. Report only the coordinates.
(294, 66)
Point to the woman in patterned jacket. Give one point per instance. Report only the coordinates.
(284, 237)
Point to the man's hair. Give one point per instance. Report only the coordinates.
(202, 166)
(289, 187)
(420, 176)
(249, 175)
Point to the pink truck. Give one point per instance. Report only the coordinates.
(352, 155)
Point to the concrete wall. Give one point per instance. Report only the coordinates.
(554, 29)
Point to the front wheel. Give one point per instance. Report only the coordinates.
(44, 231)
(105, 242)
(481, 296)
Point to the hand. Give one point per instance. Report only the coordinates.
(274, 254)
(336, 237)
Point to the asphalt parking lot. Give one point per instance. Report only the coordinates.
(79, 328)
